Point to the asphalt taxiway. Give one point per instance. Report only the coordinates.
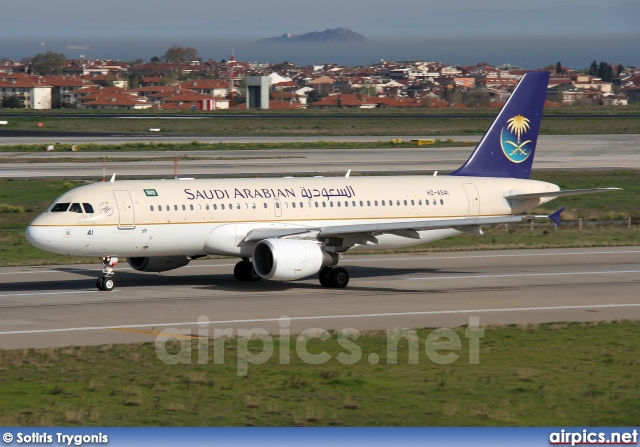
(553, 152)
(59, 305)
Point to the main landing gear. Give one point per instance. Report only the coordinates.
(105, 282)
(337, 277)
(244, 271)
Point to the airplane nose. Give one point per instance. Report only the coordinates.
(39, 234)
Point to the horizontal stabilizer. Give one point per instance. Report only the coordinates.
(556, 216)
(568, 192)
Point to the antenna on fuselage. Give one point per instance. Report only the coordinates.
(113, 178)
(347, 174)
(435, 173)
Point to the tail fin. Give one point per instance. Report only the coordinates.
(508, 147)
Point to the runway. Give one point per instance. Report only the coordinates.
(553, 152)
(59, 305)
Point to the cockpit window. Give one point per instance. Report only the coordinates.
(60, 207)
(88, 208)
(76, 208)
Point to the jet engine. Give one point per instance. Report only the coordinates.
(289, 259)
(158, 263)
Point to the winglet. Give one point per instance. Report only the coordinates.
(556, 216)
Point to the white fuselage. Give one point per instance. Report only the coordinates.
(200, 217)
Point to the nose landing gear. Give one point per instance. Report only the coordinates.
(105, 283)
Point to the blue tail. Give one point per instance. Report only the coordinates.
(508, 147)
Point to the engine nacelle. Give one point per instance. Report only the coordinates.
(158, 263)
(289, 259)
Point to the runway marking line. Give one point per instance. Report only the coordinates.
(67, 292)
(433, 258)
(321, 317)
(520, 275)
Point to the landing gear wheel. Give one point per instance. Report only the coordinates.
(244, 271)
(108, 285)
(324, 277)
(238, 271)
(105, 284)
(339, 278)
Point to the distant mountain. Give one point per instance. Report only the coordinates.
(335, 35)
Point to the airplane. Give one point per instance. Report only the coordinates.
(291, 228)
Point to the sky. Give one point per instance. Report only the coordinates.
(529, 34)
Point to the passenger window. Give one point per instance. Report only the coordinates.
(390, 202)
(207, 207)
(277, 205)
(317, 205)
(375, 202)
(199, 207)
(368, 203)
(346, 203)
(412, 203)
(222, 206)
(405, 203)
(60, 207)
(191, 207)
(324, 204)
(168, 208)
(88, 208)
(151, 207)
(293, 204)
(383, 203)
(331, 204)
(419, 202)
(237, 206)
(434, 202)
(339, 203)
(441, 202)
(76, 208)
(265, 206)
(426, 202)
(215, 207)
(253, 206)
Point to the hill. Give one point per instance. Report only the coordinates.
(335, 35)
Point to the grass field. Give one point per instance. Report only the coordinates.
(22, 200)
(333, 125)
(575, 374)
(222, 146)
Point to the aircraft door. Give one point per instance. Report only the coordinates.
(473, 199)
(277, 207)
(125, 210)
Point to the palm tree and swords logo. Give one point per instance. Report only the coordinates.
(517, 152)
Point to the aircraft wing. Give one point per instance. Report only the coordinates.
(568, 192)
(406, 228)
(431, 224)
